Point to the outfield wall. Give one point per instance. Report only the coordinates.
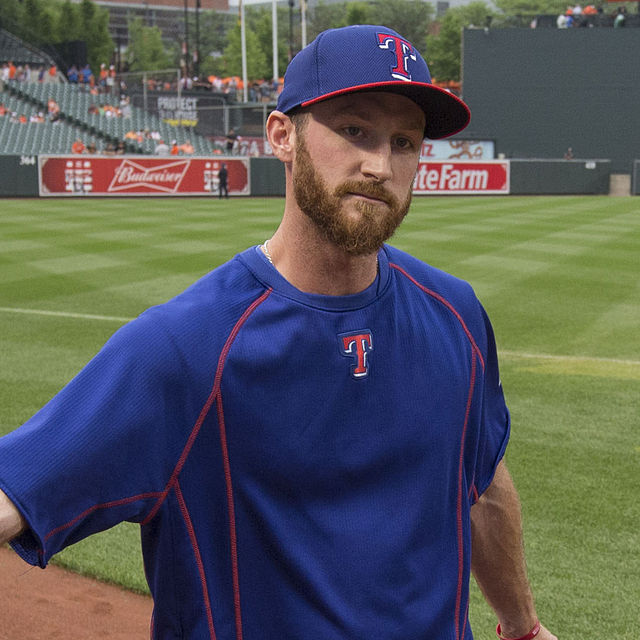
(560, 177)
(18, 176)
(85, 175)
(537, 92)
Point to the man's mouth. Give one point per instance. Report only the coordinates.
(376, 199)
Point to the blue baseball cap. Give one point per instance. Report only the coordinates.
(370, 58)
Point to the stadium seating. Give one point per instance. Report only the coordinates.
(31, 138)
(74, 102)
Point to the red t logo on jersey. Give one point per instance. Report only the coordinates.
(357, 345)
(403, 51)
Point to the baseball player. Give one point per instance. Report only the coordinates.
(311, 436)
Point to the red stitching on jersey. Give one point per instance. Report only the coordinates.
(472, 385)
(466, 618)
(232, 520)
(207, 405)
(447, 304)
(196, 553)
(474, 351)
(96, 507)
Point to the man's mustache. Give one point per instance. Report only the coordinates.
(369, 189)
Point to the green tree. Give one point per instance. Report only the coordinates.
(146, 51)
(94, 23)
(213, 29)
(326, 16)
(358, 13)
(67, 23)
(410, 18)
(232, 59)
(260, 23)
(444, 50)
(521, 12)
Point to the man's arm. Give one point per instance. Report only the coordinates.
(11, 521)
(498, 562)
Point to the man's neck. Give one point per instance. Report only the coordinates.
(314, 265)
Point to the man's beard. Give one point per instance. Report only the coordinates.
(358, 235)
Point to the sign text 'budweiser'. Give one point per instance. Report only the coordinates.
(140, 175)
(462, 177)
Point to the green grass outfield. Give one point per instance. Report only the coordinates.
(559, 276)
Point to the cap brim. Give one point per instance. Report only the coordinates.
(445, 113)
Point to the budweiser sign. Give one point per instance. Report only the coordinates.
(85, 175)
(164, 177)
(462, 177)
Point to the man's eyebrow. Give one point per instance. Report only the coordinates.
(351, 109)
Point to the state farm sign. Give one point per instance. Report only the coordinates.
(462, 177)
(84, 175)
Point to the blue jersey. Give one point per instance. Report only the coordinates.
(302, 466)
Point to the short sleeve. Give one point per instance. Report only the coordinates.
(494, 415)
(102, 450)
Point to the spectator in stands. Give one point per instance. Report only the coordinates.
(53, 110)
(110, 111)
(568, 154)
(187, 148)
(72, 74)
(4, 74)
(110, 149)
(102, 77)
(162, 148)
(41, 73)
(78, 146)
(52, 73)
(87, 75)
(174, 148)
(3, 109)
(125, 106)
(12, 70)
(621, 18)
(111, 78)
(121, 148)
(91, 148)
(37, 117)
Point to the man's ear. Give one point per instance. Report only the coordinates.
(281, 135)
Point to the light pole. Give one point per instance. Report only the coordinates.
(196, 55)
(291, 3)
(186, 39)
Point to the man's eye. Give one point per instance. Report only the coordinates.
(353, 131)
(404, 143)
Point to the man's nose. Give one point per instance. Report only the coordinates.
(376, 162)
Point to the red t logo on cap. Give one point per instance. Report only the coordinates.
(403, 51)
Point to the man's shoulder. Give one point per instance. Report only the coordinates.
(201, 317)
(426, 276)
(455, 294)
(223, 291)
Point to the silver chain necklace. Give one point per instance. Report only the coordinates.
(265, 248)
